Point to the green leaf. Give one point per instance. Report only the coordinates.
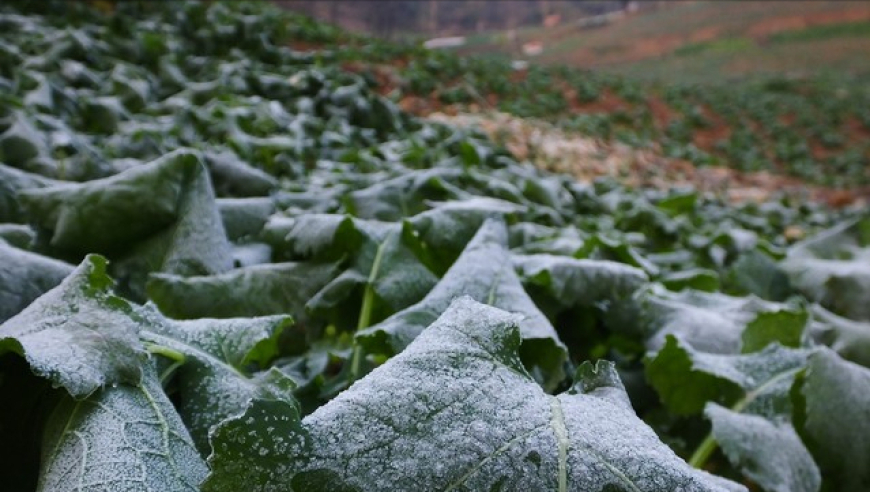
(709, 322)
(686, 378)
(484, 272)
(12, 182)
(114, 213)
(757, 273)
(850, 339)
(234, 177)
(757, 388)
(78, 335)
(836, 396)
(455, 411)
(833, 268)
(572, 282)
(767, 451)
(784, 327)
(696, 278)
(217, 378)
(277, 288)
(120, 438)
(244, 217)
(24, 276)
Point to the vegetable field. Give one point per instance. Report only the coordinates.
(229, 265)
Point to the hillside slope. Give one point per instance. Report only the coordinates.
(710, 41)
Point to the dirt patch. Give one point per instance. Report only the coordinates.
(586, 159)
(717, 130)
(762, 30)
(662, 114)
(607, 102)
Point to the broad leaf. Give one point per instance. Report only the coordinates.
(833, 268)
(768, 451)
(836, 397)
(277, 288)
(120, 438)
(12, 182)
(24, 276)
(78, 335)
(757, 388)
(686, 378)
(217, 378)
(850, 339)
(244, 217)
(160, 216)
(709, 322)
(572, 282)
(485, 273)
(455, 411)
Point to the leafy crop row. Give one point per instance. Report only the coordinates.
(815, 129)
(226, 265)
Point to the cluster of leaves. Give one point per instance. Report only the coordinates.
(242, 269)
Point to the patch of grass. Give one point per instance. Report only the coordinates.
(815, 33)
(718, 46)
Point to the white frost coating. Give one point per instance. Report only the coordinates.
(832, 268)
(769, 452)
(78, 335)
(401, 278)
(838, 391)
(457, 411)
(752, 371)
(119, 439)
(24, 276)
(273, 288)
(485, 273)
(212, 382)
(709, 322)
(580, 282)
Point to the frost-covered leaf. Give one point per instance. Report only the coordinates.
(769, 452)
(455, 411)
(833, 268)
(160, 216)
(381, 256)
(836, 428)
(232, 176)
(447, 228)
(78, 335)
(686, 378)
(12, 182)
(574, 282)
(756, 273)
(850, 339)
(275, 288)
(18, 235)
(120, 438)
(709, 322)
(757, 388)
(24, 276)
(784, 327)
(217, 378)
(114, 213)
(485, 273)
(245, 217)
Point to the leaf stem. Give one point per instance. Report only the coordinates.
(703, 452)
(365, 312)
(165, 351)
(709, 445)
